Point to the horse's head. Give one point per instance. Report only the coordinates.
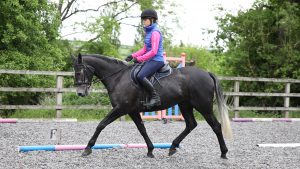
(83, 76)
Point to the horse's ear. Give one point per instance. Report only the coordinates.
(79, 58)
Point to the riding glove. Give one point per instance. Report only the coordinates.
(128, 58)
(135, 60)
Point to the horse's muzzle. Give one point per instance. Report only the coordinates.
(81, 94)
(82, 90)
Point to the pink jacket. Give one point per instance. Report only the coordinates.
(142, 55)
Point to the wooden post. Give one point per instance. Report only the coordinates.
(183, 57)
(59, 86)
(165, 57)
(287, 99)
(236, 99)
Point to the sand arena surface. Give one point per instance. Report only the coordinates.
(199, 149)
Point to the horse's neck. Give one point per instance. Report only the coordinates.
(105, 70)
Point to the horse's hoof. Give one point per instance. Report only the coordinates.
(172, 151)
(223, 156)
(150, 155)
(86, 152)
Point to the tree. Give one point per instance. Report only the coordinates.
(107, 41)
(166, 9)
(31, 30)
(262, 42)
(68, 8)
(106, 27)
(202, 58)
(28, 41)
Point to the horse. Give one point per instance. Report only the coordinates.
(189, 87)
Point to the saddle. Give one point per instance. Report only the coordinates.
(165, 71)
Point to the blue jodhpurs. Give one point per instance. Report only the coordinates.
(149, 68)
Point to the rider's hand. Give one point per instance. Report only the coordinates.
(128, 58)
(135, 60)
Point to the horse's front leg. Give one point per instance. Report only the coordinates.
(112, 116)
(136, 117)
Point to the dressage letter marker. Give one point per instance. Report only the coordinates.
(82, 147)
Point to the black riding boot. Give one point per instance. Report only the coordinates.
(155, 99)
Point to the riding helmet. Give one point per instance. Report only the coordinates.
(149, 13)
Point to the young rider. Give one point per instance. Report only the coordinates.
(151, 54)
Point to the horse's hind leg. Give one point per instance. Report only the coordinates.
(207, 112)
(187, 112)
(136, 117)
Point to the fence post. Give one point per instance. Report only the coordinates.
(287, 99)
(59, 86)
(236, 99)
(183, 57)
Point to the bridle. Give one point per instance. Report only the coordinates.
(83, 72)
(86, 69)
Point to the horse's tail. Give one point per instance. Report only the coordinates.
(223, 109)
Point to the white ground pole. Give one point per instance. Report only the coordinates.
(280, 145)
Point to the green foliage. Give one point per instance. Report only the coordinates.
(28, 32)
(203, 58)
(69, 99)
(93, 98)
(107, 42)
(34, 114)
(78, 114)
(165, 9)
(124, 50)
(262, 42)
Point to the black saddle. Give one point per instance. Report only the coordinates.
(165, 71)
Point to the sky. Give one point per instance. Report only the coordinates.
(194, 17)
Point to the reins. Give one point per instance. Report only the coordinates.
(92, 70)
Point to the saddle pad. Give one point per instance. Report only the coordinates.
(165, 71)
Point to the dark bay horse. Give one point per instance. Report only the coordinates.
(188, 87)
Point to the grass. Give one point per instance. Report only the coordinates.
(294, 114)
(86, 115)
(68, 99)
(81, 115)
(252, 114)
(97, 98)
(33, 114)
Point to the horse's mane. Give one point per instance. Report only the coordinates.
(108, 59)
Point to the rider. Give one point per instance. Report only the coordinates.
(151, 54)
